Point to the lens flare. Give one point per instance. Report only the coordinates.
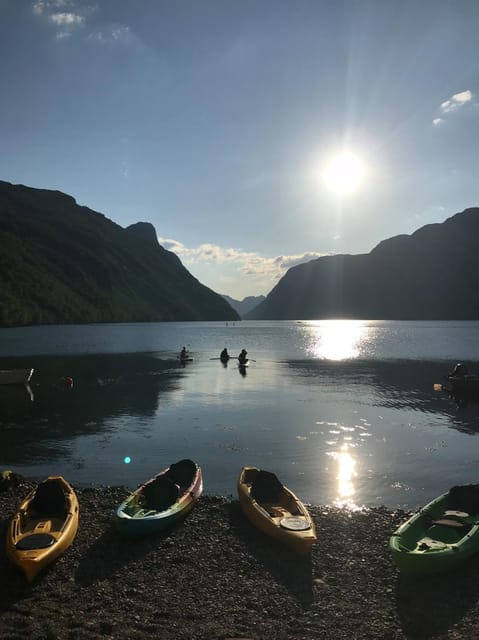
(127, 459)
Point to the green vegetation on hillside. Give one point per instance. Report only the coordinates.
(63, 263)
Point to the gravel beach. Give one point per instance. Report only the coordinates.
(215, 577)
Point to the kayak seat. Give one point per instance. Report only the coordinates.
(429, 543)
(464, 498)
(446, 522)
(266, 487)
(35, 541)
(182, 473)
(160, 494)
(49, 500)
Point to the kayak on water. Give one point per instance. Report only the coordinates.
(184, 355)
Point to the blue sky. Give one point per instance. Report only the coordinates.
(214, 120)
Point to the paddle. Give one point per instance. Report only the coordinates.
(233, 358)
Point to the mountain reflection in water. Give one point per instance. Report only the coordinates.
(104, 387)
(328, 407)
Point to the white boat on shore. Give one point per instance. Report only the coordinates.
(15, 376)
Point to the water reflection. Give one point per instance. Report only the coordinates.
(106, 388)
(337, 339)
(346, 474)
(397, 384)
(13, 396)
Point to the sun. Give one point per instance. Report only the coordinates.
(344, 173)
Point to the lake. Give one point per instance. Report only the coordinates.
(344, 412)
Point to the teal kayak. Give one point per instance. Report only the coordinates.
(441, 536)
(159, 503)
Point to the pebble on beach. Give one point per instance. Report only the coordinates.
(214, 576)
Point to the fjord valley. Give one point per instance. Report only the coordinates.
(61, 263)
(428, 275)
(239, 320)
(245, 305)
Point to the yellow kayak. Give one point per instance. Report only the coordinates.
(275, 510)
(43, 527)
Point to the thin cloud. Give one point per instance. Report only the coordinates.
(287, 262)
(452, 105)
(68, 16)
(63, 14)
(456, 101)
(67, 19)
(44, 6)
(113, 34)
(246, 262)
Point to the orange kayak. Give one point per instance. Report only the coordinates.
(44, 526)
(275, 510)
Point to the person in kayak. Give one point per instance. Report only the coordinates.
(183, 354)
(224, 355)
(243, 357)
(459, 371)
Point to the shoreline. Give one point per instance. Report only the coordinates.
(215, 576)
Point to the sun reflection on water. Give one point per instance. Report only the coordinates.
(337, 339)
(346, 475)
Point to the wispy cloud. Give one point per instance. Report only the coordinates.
(248, 264)
(455, 102)
(63, 14)
(67, 16)
(47, 6)
(112, 34)
(67, 19)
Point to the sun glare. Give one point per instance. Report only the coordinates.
(344, 173)
(346, 475)
(337, 339)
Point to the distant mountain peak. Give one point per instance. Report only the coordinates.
(242, 307)
(68, 264)
(144, 230)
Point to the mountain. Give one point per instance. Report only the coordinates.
(431, 274)
(64, 263)
(245, 305)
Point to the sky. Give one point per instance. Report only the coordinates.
(253, 134)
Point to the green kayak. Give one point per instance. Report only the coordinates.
(442, 535)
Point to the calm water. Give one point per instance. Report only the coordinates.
(343, 411)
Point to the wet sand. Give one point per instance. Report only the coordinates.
(216, 577)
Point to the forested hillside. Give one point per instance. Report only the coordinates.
(64, 263)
